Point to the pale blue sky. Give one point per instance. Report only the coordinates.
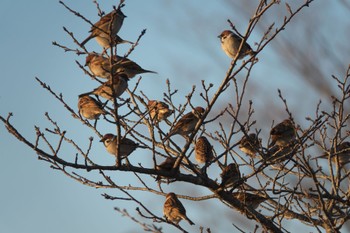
(35, 198)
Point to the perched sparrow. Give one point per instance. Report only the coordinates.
(158, 110)
(100, 66)
(250, 145)
(90, 108)
(120, 85)
(126, 146)
(130, 68)
(203, 150)
(230, 43)
(167, 165)
(230, 175)
(108, 26)
(342, 151)
(173, 209)
(249, 199)
(283, 133)
(278, 154)
(187, 123)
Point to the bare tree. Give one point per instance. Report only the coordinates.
(241, 170)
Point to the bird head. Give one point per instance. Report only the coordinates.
(89, 58)
(198, 111)
(225, 34)
(107, 139)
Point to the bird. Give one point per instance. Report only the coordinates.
(90, 108)
(130, 68)
(249, 199)
(341, 151)
(106, 28)
(158, 110)
(283, 133)
(103, 67)
(230, 175)
(119, 82)
(167, 165)
(203, 150)
(279, 154)
(187, 123)
(230, 43)
(99, 65)
(126, 146)
(173, 209)
(250, 144)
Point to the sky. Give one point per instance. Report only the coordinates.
(36, 198)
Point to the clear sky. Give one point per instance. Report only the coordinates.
(181, 44)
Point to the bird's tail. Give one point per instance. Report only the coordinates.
(189, 221)
(150, 71)
(124, 42)
(87, 39)
(252, 52)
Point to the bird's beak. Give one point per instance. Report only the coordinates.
(219, 36)
(102, 140)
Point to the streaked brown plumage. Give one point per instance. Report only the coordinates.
(158, 110)
(230, 175)
(105, 91)
(167, 165)
(100, 66)
(203, 150)
(90, 108)
(173, 209)
(187, 123)
(283, 133)
(107, 27)
(278, 154)
(230, 43)
(249, 199)
(250, 145)
(130, 68)
(126, 146)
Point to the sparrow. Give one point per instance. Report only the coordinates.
(158, 110)
(126, 146)
(230, 175)
(120, 85)
(342, 151)
(90, 108)
(101, 66)
(187, 123)
(230, 43)
(173, 209)
(250, 145)
(130, 68)
(283, 133)
(249, 199)
(108, 26)
(167, 165)
(278, 154)
(203, 150)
